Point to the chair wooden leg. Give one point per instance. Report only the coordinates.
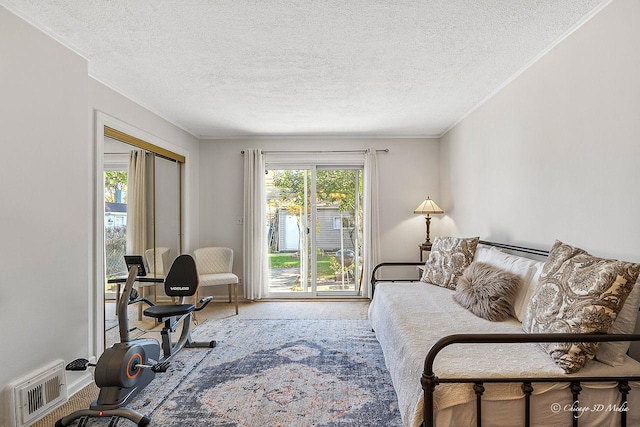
(117, 297)
(229, 285)
(195, 302)
(236, 292)
(142, 292)
(155, 298)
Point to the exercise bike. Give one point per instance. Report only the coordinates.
(127, 367)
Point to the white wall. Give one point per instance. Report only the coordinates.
(555, 154)
(408, 174)
(108, 107)
(46, 168)
(47, 116)
(110, 102)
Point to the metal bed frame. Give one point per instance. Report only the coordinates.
(430, 380)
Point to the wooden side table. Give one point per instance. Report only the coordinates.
(424, 247)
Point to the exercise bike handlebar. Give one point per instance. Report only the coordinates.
(123, 303)
(203, 303)
(146, 301)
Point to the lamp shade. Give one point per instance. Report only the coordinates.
(428, 207)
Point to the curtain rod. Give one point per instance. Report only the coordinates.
(386, 150)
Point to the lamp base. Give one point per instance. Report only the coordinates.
(427, 241)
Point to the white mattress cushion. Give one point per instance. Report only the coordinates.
(409, 318)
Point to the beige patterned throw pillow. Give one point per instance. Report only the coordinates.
(577, 293)
(447, 260)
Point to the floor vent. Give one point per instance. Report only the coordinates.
(38, 393)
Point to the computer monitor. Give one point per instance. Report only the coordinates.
(131, 260)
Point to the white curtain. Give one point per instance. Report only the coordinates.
(254, 255)
(137, 203)
(371, 228)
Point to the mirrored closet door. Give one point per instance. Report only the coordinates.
(142, 216)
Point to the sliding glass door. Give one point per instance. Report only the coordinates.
(338, 231)
(314, 218)
(288, 221)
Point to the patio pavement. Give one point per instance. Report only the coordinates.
(284, 280)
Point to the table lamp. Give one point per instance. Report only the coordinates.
(427, 208)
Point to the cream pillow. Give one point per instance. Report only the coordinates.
(612, 353)
(483, 252)
(577, 293)
(528, 289)
(447, 260)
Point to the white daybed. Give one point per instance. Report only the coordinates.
(412, 317)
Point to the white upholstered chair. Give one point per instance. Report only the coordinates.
(214, 268)
(159, 266)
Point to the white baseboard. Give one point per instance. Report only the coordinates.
(77, 381)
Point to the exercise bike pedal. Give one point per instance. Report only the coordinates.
(160, 367)
(77, 365)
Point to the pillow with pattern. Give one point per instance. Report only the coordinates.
(577, 293)
(447, 260)
(487, 291)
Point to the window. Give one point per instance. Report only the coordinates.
(347, 222)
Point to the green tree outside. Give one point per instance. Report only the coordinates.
(113, 181)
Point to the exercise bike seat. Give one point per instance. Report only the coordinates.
(163, 311)
(182, 281)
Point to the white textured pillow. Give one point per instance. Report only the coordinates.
(612, 353)
(483, 252)
(527, 290)
(525, 268)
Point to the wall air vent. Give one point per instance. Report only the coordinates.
(34, 395)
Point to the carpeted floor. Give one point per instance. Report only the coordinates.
(277, 364)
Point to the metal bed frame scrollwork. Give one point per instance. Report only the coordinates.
(429, 380)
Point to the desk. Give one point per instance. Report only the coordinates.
(143, 283)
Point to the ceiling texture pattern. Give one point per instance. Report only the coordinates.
(259, 68)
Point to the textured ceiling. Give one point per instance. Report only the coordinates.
(236, 68)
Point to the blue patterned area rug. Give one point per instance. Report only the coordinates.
(295, 372)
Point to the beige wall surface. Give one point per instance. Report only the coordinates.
(106, 100)
(556, 153)
(408, 173)
(47, 115)
(46, 184)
